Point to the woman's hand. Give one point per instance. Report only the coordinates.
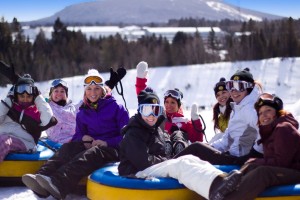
(87, 140)
(101, 143)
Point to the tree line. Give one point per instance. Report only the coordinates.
(70, 53)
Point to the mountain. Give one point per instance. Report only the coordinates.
(150, 11)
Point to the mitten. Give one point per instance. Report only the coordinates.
(121, 72)
(194, 112)
(142, 69)
(113, 79)
(35, 92)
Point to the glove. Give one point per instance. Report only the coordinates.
(142, 69)
(121, 72)
(194, 112)
(113, 79)
(35, 92)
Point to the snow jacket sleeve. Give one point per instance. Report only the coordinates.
(122, 118)
(140, 84)
(4, 109)
(282, 147)
(47, 118)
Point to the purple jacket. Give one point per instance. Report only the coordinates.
(104, 123)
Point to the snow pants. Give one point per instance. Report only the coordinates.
(73, 161)
(215, 157)
(195, 174)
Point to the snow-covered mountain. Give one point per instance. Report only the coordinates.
(156, 11)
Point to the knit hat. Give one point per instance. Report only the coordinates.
(267, 99)
(25, 80)
(243, 75)
(220, 86)
(93, 77)
(176, 94)
(59, 82)
(24, 84)
(148, 96)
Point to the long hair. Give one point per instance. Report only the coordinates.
(216, 113)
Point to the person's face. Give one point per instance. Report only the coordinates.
(171, 105)
(266, 115)
(222, 97)
(237, 96)
(25, 98)
(58, 93)
(150, 120)
(93, 92)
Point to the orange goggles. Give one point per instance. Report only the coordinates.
(93, 80)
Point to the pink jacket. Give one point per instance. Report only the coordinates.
(64, 130)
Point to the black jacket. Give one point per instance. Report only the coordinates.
(141, 147)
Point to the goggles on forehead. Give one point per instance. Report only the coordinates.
(58, 82)
(269, 99)
(150, 109)
(20, 89)
(238, 85)
(173, 93)
(93, 80)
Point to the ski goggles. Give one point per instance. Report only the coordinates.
(150, 109)
(93, 80)
(20, 89)
(173, 93)
(269, 99)
(58, 82)
(238, 85)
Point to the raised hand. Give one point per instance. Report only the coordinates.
(142, 69)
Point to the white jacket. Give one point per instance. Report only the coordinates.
(242, 130)
(8, 126)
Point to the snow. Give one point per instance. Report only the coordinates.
(277, 75)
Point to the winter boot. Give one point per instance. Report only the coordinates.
(178, 147)
(223, 186)
(47, 184)
(30, 181)
(169, 149)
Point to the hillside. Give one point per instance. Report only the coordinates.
(154, 11)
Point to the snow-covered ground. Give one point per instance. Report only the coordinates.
(277, 75)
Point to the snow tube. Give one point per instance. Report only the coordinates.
(106, 184)
(17, 164)
(50, 144)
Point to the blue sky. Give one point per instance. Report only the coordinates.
(26, 10)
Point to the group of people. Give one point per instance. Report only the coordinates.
(252, 130)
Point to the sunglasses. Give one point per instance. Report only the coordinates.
(58, 82)
(93, 80)
(173, 93)
(240, 86)
(150, 109)
(20, 89)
